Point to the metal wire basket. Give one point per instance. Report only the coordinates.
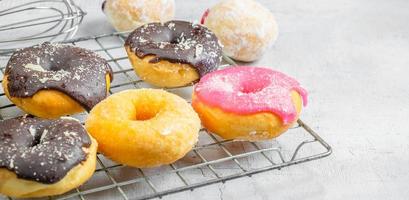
(213, 160)
(55, 20)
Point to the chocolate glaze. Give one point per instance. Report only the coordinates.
(75, 71)
(42, 150)
(177, 42)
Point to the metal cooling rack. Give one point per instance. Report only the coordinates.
(213, 160)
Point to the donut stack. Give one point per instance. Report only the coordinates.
(47, 153)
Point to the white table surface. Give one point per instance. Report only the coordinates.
(353, 57)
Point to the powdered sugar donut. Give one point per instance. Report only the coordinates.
(244, 27)
(248, 103)
(126, 15)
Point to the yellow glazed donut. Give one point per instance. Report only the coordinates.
(52, 166)
(245, 28)
(248, 103)
(173, 54)
(144, 127)
(126, 15)
(53, 80)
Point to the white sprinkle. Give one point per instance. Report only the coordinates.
(43, 135)
(12, 163)
(199, 49)
(68, 134)
(34, 67)
(57, 76)
(162, 45)
(171, 25)
(142, 40)
(77, 76)
(32, 131)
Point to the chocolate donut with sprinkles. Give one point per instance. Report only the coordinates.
(53, 80)
(40, 157)
(173, 54)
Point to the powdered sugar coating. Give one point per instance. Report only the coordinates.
(126, 15)
(245, 28)
(249, 90)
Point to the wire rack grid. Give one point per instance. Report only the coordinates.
(212, 160)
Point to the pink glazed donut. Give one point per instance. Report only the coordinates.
(248, 103)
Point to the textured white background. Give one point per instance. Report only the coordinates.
(353, 57)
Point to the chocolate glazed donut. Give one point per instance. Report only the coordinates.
(77, 72)
(40, 157)
(177, 42)
(42, 150)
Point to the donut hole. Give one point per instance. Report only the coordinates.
(172, 40)
(253, 86)
(253, 82)
(145, 111)
(143, 115)
(36, 142)
(54, 64)
(39, 137)
(54, 67)
(48, 65)
(175, 40)
(248, 90)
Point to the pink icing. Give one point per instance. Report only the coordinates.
(249, 90)
(205, 14)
